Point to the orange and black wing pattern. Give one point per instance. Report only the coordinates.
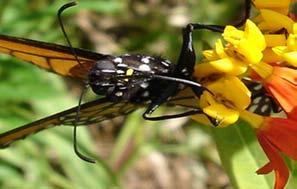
(52, 57)
(90, 113)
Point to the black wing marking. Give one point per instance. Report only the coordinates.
(262, 103)
(91, 112)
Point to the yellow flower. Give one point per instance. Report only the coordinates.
(273, 40)
(248, 43)
(219, 62)
(229, 97)
(281, 6)
(263, 69)
(289, 52)
(272, 21)
(243, 48)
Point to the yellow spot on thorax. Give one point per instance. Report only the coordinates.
(129, 72)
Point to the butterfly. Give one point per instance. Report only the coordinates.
(127, 82)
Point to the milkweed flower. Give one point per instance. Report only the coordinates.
(243, 48)
(229, 97)
(261, 51)
(225, 64)
(273, 15)
(288, 52)
(276, 136)
(275, 5)
(281, 83)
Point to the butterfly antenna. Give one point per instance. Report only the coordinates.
(60, 11)
(75, 147)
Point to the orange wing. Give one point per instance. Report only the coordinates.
(52, 57)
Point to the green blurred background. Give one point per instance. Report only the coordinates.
(131, 153)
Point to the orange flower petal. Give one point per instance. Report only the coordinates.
(278, 164)
(282, 133)
(282, 85)
(267, 168)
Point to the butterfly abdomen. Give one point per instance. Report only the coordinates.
(128, 77)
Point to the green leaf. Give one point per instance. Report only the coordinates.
(241, 156)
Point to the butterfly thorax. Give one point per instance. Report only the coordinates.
(129, 77)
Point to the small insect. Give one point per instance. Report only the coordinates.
(127, 81)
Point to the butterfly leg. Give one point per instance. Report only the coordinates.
(184, 69)
(75, 147)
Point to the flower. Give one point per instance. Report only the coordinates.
(276, 136)
(243, 48)
(229, 97)
(288, 52)
(282, 85)
(273, 16)
(218, 61)
(276, 5)
(273, 40)
(248, 44)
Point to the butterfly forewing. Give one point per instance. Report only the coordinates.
(52, 57)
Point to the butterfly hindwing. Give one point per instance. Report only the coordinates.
(52, 57)
(261, 103)
(91, 112)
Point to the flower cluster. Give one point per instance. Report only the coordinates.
(264, 52)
